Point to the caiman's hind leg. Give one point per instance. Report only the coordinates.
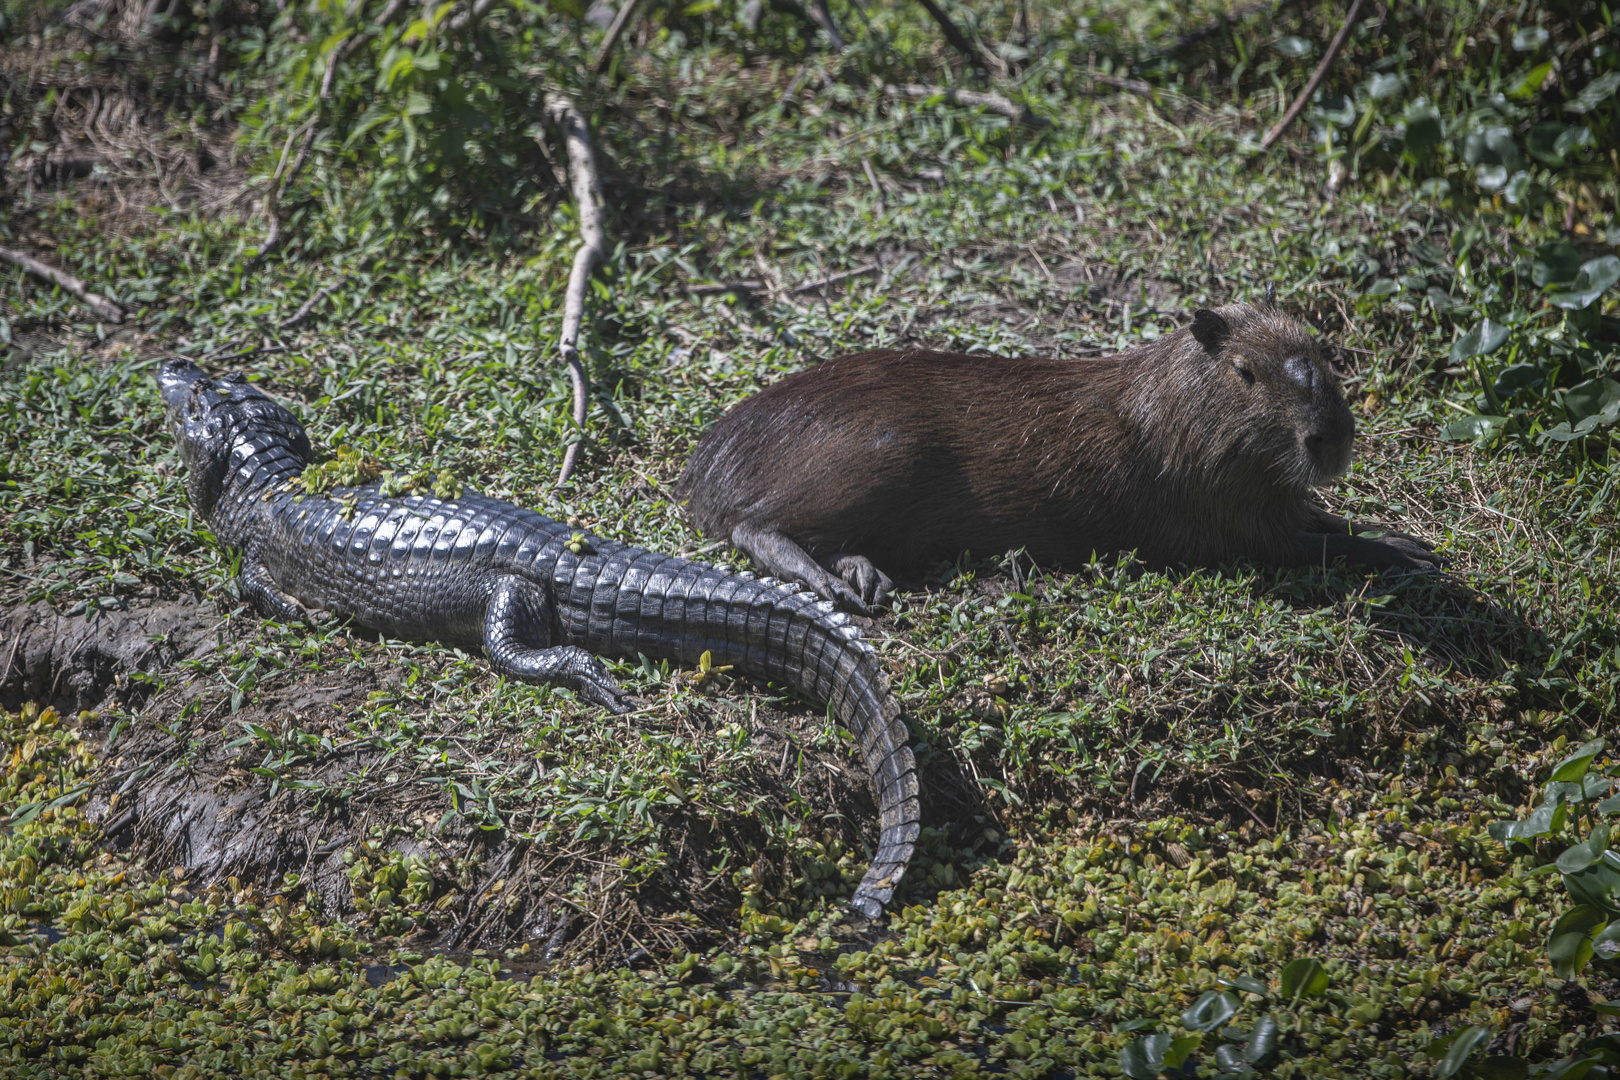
(517, 629)
(781, 557)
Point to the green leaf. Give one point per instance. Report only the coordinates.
(1247, 983)
(1595, 397)
(1556, 261)
(1530, 82)
(1485, 338)
(1539, 823)
(1575, 765)
(1480, 428)
(1606, 946)
(1383, 85)
(1595, 93)
(1570, 1068)
(701, 7)
(1294, 47)
(1529, 38)
(1578, 857)
(1606, 1008)
(1575, 138)
(1609, 806)
(1143, 1059)
(1262, 1040)
(1569, 946)
(1462, 1048)
(1593, 281)
(1382, 287)
(1212, 1009)
(1180, 1050)
(1304, 977)
(1542, 142)
(1597, 886)
(1423, 128)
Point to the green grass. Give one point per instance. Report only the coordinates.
(1135, 782)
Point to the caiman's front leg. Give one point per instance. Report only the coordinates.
(517, 630)
(259, 588)
(851, 581)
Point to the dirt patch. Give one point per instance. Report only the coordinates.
(83, 661)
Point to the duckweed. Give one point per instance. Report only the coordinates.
(1387, 932)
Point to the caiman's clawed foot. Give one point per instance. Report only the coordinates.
(870, 584)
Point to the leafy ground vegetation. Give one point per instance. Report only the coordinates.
(1206, 822)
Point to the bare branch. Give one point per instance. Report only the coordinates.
(978, 55)
(562, 112)
(307, 306)
(620, 23)
(1316, 77)
(972, 98)
(103, 307)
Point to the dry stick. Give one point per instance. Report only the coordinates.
(959, 41)
(307, 306)
(1316, 78)
(994, 102)
(562, 112)
(102, 306)
(621, 22)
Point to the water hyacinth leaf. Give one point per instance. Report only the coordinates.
(1143, 1059)
(1212, 1009)
(1593, 280)
(1262, 1040)
(1518, 186)
(1337, 109)
(1491, 177)
(1609, 806)
(1384, 85)
(1423, 128)
(1516, 377)
(1578, 857)
(1295, 47)
(1461, 1048)
(1597, 886)
(1606, 946)
(1480, 428)
(1529, 38)
(1246, 983)
(1556, 261)
(1569, 946)
(1574, 766)
(1598, 398)
(1141, 1023)
(1229, 1059)
(1594, 93)
(1304, 978)
(1542, 142)
(1539, 823)
(1570, 1068)
(1606, 1008)
(1573, 139)
(1485, 338)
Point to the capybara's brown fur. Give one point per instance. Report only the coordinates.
(1199, 447)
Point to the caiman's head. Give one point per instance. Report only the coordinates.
(223, 425)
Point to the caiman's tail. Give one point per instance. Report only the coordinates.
(769, 629)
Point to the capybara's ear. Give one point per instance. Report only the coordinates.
(1210, 329)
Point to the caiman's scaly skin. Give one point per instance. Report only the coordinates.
(480, 573)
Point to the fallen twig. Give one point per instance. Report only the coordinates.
(562, 111)
(307, 306)
(617, 27)
(973, 98)
(980, 57)
(1316, 77)
(715, 288)
(102, 306)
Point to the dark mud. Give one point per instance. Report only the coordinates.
(182, 793)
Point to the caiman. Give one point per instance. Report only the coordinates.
(541, 599)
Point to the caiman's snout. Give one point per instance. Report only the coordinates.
(175, 380)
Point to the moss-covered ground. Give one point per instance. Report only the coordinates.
(1137, 784)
